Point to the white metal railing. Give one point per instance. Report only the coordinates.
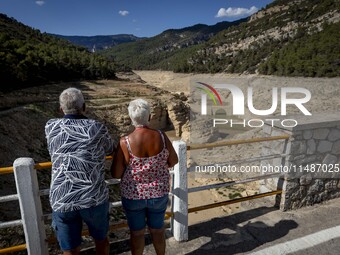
(232, 183)
(9, 198)
(33, 218)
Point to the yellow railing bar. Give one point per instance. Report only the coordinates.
(236, 142)
(44, 165)
(38, 166)
(11, 249)
(233, 201)
(168, 215)
(6, 170)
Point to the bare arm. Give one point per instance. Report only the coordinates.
(119, 162)
(173, 159)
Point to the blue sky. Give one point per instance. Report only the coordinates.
(143, 18)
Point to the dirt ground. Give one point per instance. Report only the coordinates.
(41, 105)
(325, 98)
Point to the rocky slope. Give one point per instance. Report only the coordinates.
(324, 91)
(243, 48)
(287, 38)
(23, 114)
(153, 52)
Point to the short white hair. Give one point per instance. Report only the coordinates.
(139, 112)
(71, 101)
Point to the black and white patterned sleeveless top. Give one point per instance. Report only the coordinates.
(78, 147)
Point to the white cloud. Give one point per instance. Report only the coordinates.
(40, 3)
(123, 13)
(235, 12)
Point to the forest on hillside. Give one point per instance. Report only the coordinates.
(308, 48)
(316, 55)
(166, 50)
(29, 57)
(288, 38)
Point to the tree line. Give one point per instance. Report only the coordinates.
(308, 49)
(316, 55)
(28, 57)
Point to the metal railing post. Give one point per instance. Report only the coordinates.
(180, 190)
(30, 206)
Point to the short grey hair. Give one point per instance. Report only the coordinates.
(71, 101)
(139, 112)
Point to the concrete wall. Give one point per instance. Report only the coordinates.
(313, 155)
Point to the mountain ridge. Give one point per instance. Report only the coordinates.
(103, 42)
(99, 42)
(256, 45)
(143, 54)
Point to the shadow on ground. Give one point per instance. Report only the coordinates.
(237, 233)
(233, 234)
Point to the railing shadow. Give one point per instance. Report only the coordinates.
(227, 237)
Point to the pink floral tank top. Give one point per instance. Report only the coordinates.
(146, 177)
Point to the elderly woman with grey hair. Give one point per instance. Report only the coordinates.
(78, 192)
(142, 162)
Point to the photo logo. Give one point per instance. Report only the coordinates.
(239, 99)
(208, 92)
(294, 96)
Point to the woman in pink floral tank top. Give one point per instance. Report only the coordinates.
(142, 162)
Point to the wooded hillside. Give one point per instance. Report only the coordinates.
(29, 57)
